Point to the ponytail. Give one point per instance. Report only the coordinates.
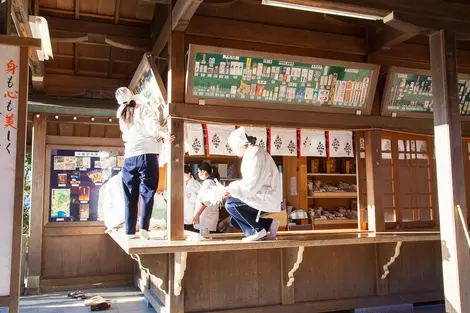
(251, 140)
(211, 170)
(127, 114)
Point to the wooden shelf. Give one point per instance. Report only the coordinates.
(331, 174)
(333, 195)
(335, 222)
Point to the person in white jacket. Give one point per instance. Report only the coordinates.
(191, 190)
(141, 131)
(258, 191)
(207, 213)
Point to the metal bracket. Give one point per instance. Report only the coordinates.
(300, 257)
(392, 260)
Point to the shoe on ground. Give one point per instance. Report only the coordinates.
(273, 229)
(257, 236)
(144, 234)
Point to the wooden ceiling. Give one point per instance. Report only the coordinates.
(97, 44)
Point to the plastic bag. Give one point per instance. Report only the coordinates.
(111, 202)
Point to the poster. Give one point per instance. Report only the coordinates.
(248, 76)
(81, 175)
(410, 91)
(60, 203)
(9, 88)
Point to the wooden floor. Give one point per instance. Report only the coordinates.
(229, 242)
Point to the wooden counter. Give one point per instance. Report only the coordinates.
(230, 242)
(302, 272)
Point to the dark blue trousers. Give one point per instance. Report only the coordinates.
(243, 216)
(139, 176)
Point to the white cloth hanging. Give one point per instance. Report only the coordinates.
(312, 143)
(260, 133)
(283, 141)
(341, 144)
(217, 137)
(193, 139)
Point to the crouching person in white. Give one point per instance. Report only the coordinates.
(258, 191)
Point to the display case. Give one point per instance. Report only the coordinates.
(75, 178)
(408, 93)
(221, 76)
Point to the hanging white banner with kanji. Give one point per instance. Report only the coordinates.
(193, 139)
(341, 144)
(260, 133)
(9, 88)
(312, 143)
(217, 138)
(283, 141)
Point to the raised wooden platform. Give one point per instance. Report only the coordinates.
(231, 242)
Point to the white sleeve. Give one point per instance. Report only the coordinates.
(252, 180)
(151, 122)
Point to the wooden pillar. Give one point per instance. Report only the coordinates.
(37, 203)
(450, 173)
(5, 17)
(375, 212)
(176, 88)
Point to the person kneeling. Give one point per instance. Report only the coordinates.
(258, 191)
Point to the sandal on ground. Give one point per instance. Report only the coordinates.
(100, 307)
(95, 300)
(74, 293)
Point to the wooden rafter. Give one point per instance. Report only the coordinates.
(386, 38)
(98, 38)
(110, 64)
(117, 9)
(94, 15)
(20, 18)
(182, 14)
(77, 9)
(76, 58)
(274, 35)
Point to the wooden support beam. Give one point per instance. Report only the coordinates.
(260, 33)
(37, 202)
(86, 27)
(77, 9)
(407, 22)
(386, 38)
(21, 20)
(63, 85)
(181, 15)
(76, 58)
(5, 17)
(450, 172)
(438, 9)
(117, 9)
(375, 212)
(176, 87)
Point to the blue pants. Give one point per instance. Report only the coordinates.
(243, 216)
(139, 176)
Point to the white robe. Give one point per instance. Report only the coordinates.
(210, 216)
(192, 188)
(260, 186)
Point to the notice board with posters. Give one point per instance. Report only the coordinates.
(233, 77)
(408, 93)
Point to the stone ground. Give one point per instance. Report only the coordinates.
(129, 300)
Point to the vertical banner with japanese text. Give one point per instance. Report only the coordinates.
(9, 89)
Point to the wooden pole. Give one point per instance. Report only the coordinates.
(176, 87)
(450, 173)
(19, 183)
(375, 212)
(37, 203)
